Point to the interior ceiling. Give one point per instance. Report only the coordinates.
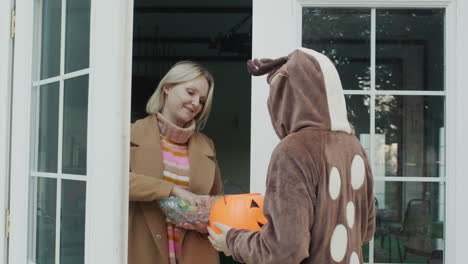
(247, 3)
(207, 28)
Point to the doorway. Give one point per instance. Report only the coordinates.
(218, 36)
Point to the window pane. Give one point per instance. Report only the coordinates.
(77, 35)
(410, 136)
(358, 114)
(344, 36)
(48, 127)
(410, 49)
(365, 253)
(50, 38)
(46, 194)
(410, 222)
(75, 125)
(72, 226)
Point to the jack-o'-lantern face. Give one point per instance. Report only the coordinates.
(241, 211)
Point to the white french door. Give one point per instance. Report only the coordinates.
(70, 131)
(397, 63)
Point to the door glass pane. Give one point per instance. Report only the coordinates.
(50, 38)
(77, 35)
(75, 125)
(410, 222)
(48, 127)
(412, 132)
(46, 194)
(344, 36)
(410, 49)
(72, 224)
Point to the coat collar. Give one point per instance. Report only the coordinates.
(145, 133)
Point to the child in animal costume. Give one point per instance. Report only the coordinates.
(319, 198)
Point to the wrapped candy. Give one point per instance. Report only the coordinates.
(180, 211)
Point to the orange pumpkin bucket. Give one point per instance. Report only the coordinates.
(241, 211)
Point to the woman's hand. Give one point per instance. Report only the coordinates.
(198, 226)
(190, 197)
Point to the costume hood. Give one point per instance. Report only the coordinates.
(305, 92)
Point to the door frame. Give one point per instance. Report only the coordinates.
(108, 131)
(285, 34)
(21, 107)
(5, 103)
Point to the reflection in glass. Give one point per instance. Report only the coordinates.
(344, 36)
(410, 135)
(77, 35)
(410, 49)
(50, 38)
(48, 127)
(72, 225)
(75, 125)
(358, 114)
(409, 223)
(46, 191)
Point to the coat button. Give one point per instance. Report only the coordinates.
(158, 237)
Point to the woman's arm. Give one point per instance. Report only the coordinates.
(145, 189)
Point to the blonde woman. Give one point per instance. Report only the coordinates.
(170, 157)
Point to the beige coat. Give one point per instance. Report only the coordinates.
(147, 238)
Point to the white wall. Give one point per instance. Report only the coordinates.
(271, 38)
(5, 47)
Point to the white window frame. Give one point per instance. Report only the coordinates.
(108, 130)
(277, 31)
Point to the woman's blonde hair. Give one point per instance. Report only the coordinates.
(182, 71)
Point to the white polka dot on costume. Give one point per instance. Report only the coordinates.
(358, 172)
(350, 214)
(339, 243)
(335, 183)
(354, 259)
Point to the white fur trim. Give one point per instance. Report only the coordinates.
(335, 95)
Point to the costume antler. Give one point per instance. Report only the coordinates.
(259, 67)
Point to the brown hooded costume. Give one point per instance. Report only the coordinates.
(319, 198)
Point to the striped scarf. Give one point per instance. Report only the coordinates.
(176, 170)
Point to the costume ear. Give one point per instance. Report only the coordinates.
(258, 67)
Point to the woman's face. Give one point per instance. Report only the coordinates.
(184, 101)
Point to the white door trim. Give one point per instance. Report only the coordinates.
(21, 113)
(109, 131)
(457, 140)
(5, 103)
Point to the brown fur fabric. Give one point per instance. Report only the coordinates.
(319, 198)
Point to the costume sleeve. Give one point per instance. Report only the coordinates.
(289, 210)
(145, 188)
(369, 233)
